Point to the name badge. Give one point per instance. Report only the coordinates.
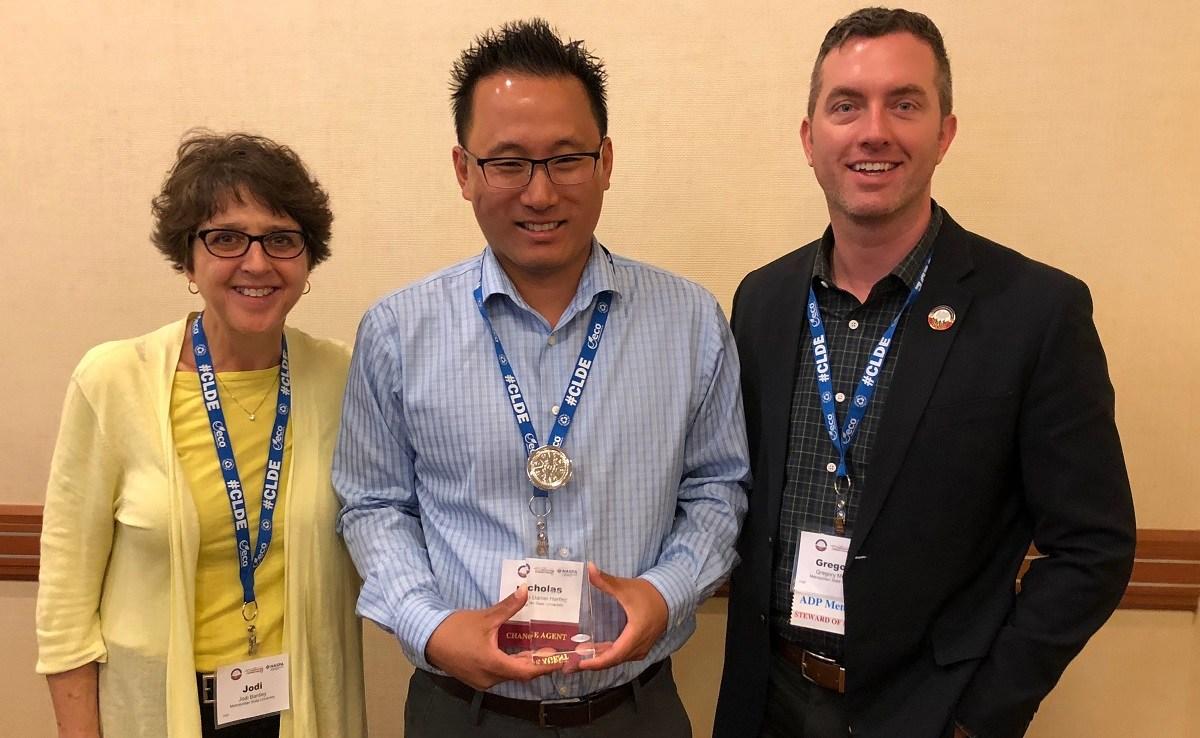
(548, 626)
(252, 689)
(817, 599)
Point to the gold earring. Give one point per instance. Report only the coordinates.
(307, 287)
(192, 284)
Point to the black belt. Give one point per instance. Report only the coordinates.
(568, 713)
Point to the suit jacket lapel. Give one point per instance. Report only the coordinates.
(922, 353)
(779, 352)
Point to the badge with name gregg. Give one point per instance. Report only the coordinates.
(252, 689)
(548, 626)
(817, 599)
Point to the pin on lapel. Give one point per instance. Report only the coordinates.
(941, 318)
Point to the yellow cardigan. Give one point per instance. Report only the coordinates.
(120, 540)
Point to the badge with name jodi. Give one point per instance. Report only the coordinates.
(548, 626)
(817, 598)
(252, 689)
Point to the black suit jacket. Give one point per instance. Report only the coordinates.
(996, 432)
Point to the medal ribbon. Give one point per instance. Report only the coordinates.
(575, 386)
(229, 470)
(844, 438)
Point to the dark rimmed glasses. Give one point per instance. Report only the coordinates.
(225, 243)
(515, 172)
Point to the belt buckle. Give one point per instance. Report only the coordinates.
(824, 661)
(544, 723)
(207, 691)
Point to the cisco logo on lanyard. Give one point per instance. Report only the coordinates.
(593, 341)
(218, 429)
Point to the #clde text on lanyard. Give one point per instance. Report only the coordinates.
(843, 437)
(233, 482)
(562, 425)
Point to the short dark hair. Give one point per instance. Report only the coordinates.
(531, 47)
(211, 169)
(876, 22)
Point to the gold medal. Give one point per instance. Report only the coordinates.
(548, 468)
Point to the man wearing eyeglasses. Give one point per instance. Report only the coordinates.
(546, 401)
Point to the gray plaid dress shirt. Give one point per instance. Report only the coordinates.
(852, 332)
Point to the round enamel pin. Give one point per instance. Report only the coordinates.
(941, 318)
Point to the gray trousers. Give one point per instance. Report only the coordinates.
(653, 711)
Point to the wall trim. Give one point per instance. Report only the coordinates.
(20, 529)
(1166, 572)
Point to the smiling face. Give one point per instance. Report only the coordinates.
(543, 230)
(247, 297)
(877, 132)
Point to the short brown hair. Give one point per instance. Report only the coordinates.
(211, 168)
(876, 22)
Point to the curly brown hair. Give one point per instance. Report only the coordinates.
(211, 168)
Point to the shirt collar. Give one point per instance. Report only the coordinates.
(599, 275)
(909, 267)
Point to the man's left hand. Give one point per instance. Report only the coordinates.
(645, 619)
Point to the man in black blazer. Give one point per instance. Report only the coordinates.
(922, 404)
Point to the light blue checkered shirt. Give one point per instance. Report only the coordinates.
(430, 466)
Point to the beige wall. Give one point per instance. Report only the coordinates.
(1077, 144)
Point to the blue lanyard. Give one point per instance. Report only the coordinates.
(229, 470)
(844, 438)
(574, 392)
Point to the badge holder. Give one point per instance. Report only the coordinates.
(554, 627)
(818, 600)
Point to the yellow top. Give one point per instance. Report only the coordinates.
(121, 540)
(220, 635)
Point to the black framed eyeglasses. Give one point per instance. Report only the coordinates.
(515, 172)
(225, 243)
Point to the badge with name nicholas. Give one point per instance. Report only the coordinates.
(817, 598)
(548, 626)
(252, 689)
